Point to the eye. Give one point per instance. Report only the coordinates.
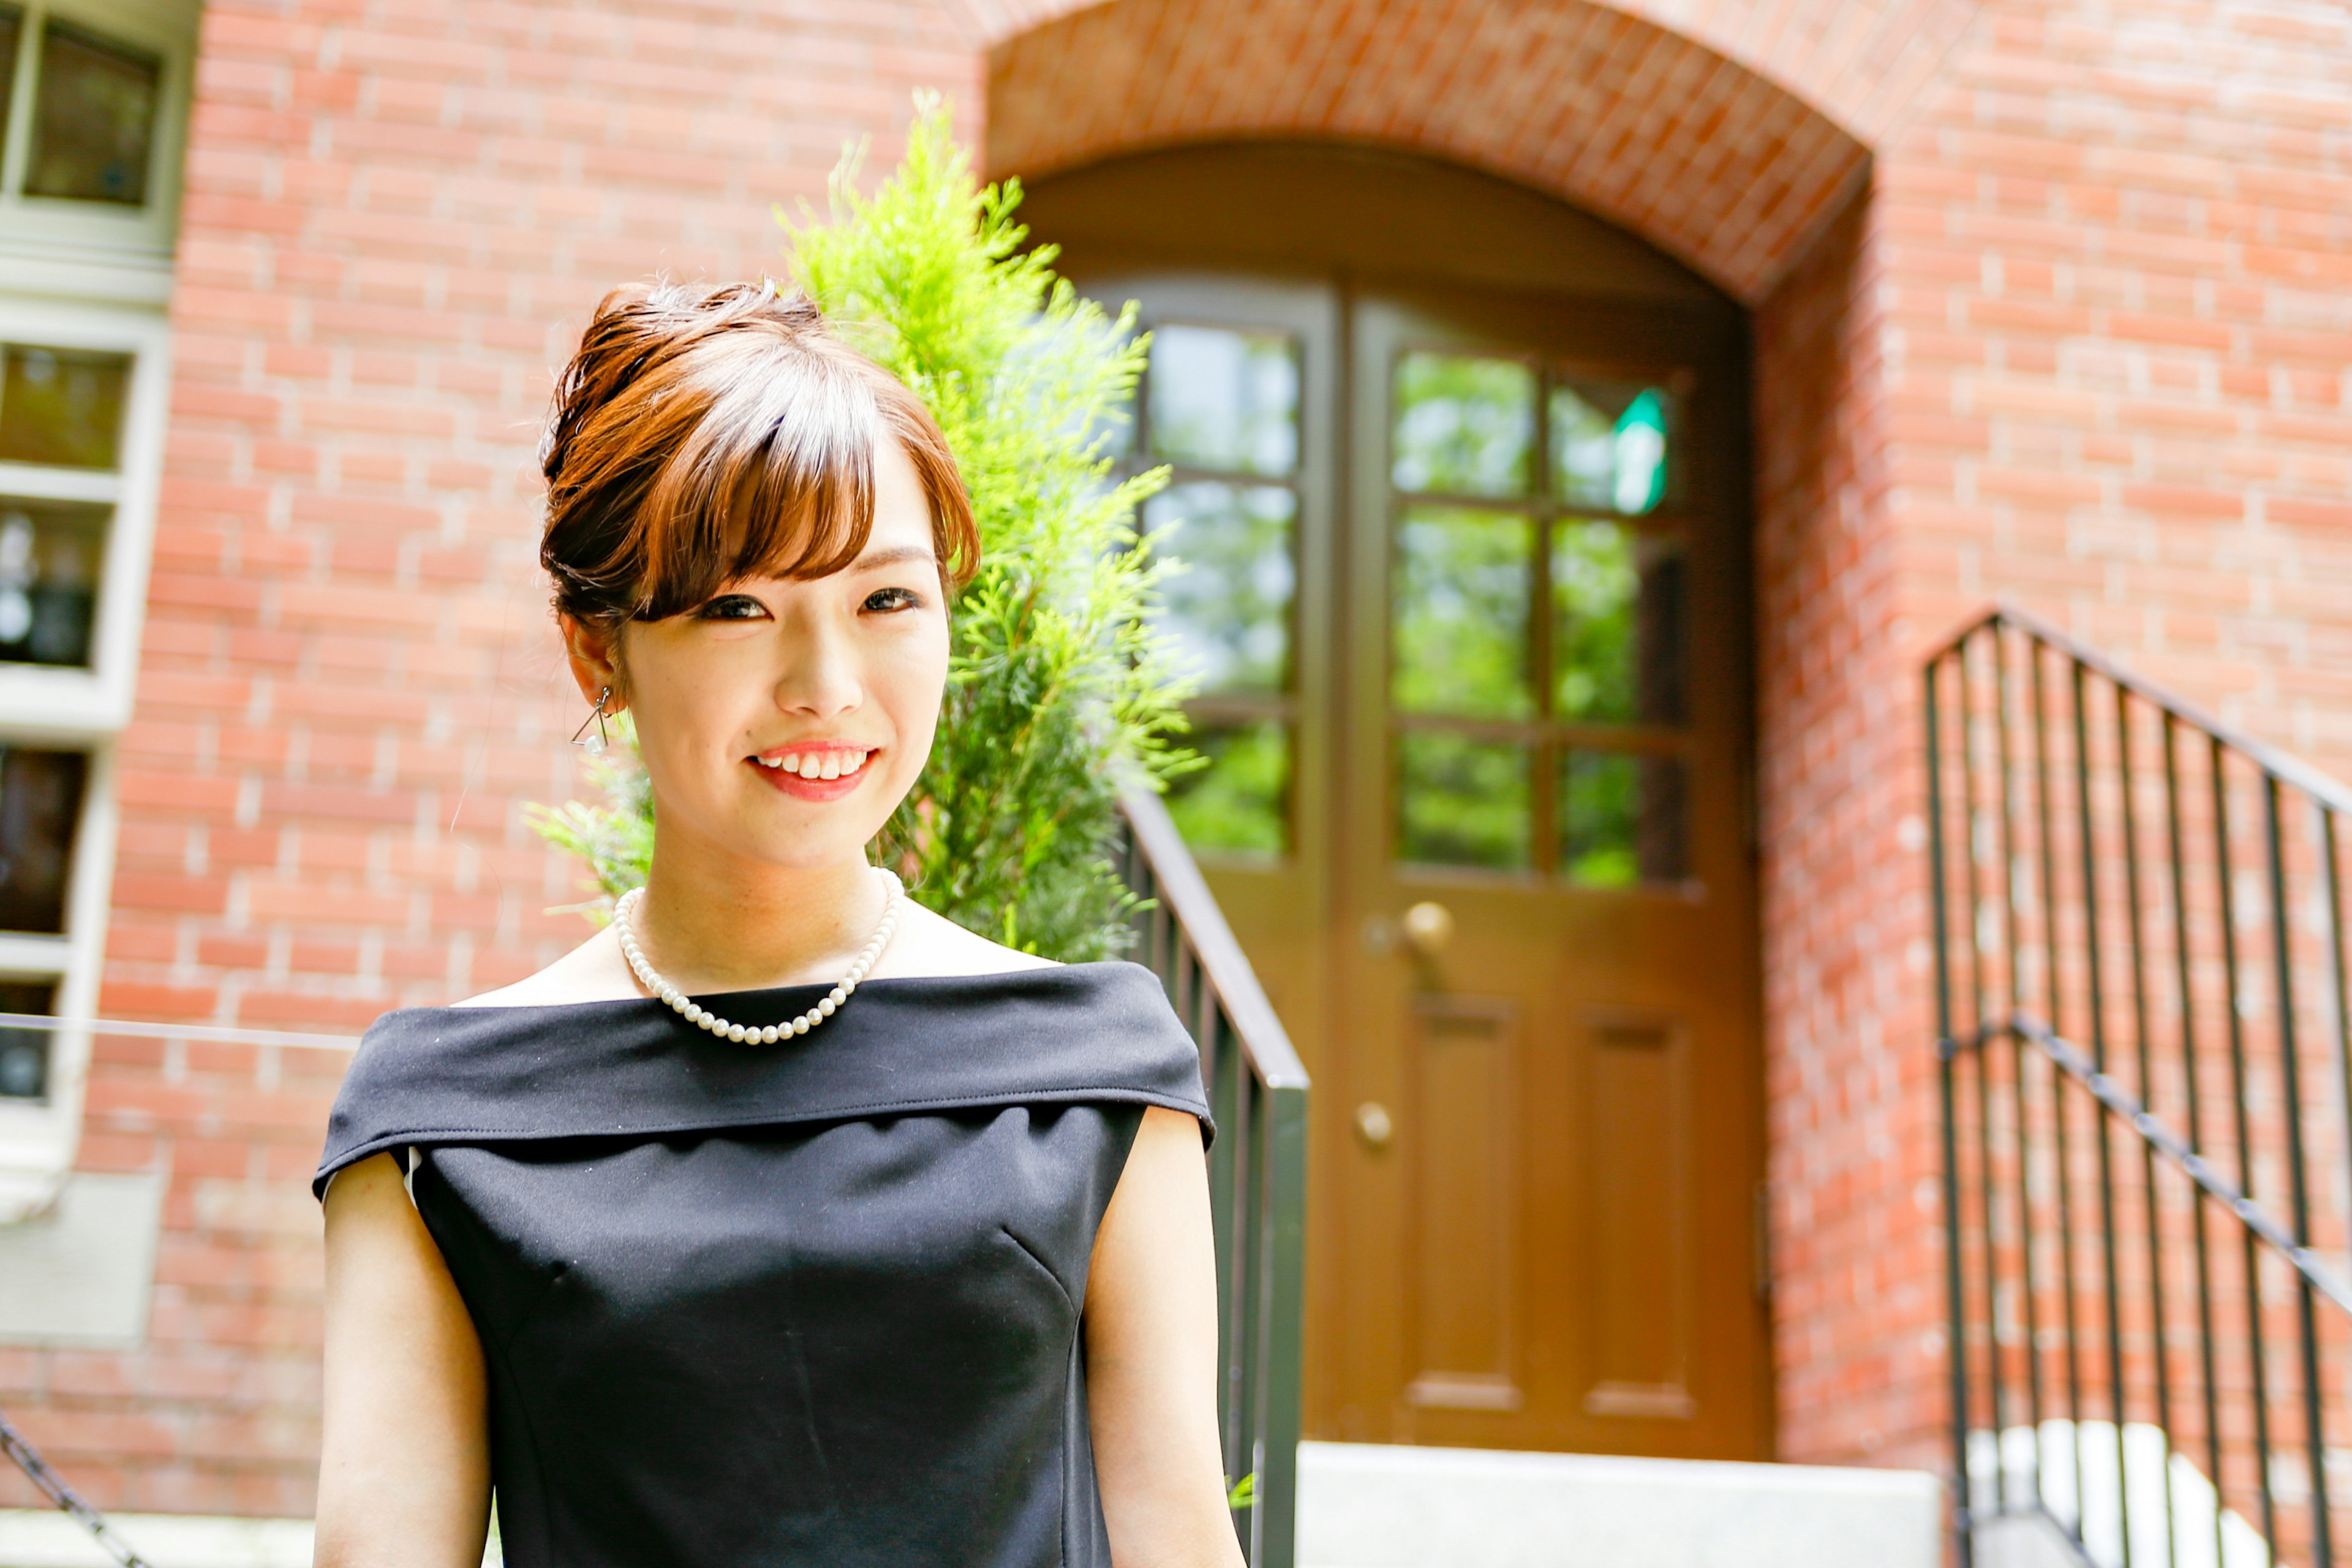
(732, 607)
(883, 600)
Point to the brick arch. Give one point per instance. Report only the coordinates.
(1712, 160)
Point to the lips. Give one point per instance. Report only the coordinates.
(826, 762)
(814, 772)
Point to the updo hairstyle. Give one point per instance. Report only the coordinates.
(701, 435)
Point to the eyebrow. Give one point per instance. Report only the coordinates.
(893, 556)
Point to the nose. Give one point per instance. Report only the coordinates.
(817, 674)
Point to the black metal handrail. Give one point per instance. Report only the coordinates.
(2146, 1066)
(1258, 1171)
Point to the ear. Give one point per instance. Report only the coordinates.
(595, 659)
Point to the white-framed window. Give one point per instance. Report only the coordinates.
(93, 97)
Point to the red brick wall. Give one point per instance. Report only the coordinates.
(2086, 341)
(398, 214)
(2089, 346)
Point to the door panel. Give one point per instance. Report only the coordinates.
(1464, 579)
(1546, 733)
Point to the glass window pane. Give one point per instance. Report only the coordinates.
(25, 1053)
(1462, 802)
(1236, 804)
(1617, 638)
(1609, 445)
(1226, 598)
(93, 116)
(1464, 426)
(40, 806)
(1223, 399)
(50, 556)
(1623, 819)
(1462, 586)
(61, 407)
(12, 33)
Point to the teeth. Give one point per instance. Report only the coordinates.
(815, 765)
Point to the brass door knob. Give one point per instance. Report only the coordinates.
(1427, 926)
(1373, 1125)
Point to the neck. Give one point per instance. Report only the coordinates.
(714, 923)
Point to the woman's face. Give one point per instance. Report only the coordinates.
(783, 721)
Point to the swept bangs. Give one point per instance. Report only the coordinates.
(703, 435)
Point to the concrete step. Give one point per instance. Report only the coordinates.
(1373, 1506)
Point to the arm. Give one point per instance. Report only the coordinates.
(405, 1465)
(1151, 1358)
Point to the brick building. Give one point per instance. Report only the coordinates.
(2049, 300)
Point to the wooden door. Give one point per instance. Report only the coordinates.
(1463, 576)
(1545, 940)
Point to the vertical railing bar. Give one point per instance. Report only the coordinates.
(2259, 1371)
(1963, 1486)
(2332, 888)
(1982, 1055)
(2135, 934)
(2187, 982)
(2323, 1545)
(2093, 988)
(2069, 1292)
(2009, 900)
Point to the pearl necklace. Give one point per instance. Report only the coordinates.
(623, 927)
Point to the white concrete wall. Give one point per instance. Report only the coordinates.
(1367, 1506)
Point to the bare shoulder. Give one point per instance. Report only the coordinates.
(593, 971)
(931, 945)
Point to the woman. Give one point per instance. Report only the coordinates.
(694, 1246)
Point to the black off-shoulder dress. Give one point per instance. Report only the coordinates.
(810, 1303)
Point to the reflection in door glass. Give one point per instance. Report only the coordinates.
(12, 32)
(1227, 596)
(25, 1053)
(49, 559)
(61, 407)
(41, 807)
(93, 115)
(1236, 804)
(1224, 400)
(1622, 819)
(1464, 426)
(1462, 591)
(1462, 801)
(1609, 445)
(1617, 624)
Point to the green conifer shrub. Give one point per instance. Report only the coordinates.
(1059, 693)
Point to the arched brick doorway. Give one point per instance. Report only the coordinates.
(1714, 162)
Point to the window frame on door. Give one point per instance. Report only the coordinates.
(83, 275)
(41, 227)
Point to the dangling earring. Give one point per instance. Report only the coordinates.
(594, 744)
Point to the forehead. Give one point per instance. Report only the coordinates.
(902, 512)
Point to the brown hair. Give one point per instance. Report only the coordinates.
(702, 435)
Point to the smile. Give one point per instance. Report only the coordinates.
(830, 763)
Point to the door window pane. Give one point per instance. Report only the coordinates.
(40, 806)
(1617, 607)
(1462, 801)
(1462, 586)
(1464, 426)
(94, 116)
(25, 1053)
(61, 407)
(1609, 445)
(51, 553)
(1237, 804)
(1622, 819)
(1228, 601)
(1223, 399)
(12, 33)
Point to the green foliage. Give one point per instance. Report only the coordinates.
(1059, 694)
